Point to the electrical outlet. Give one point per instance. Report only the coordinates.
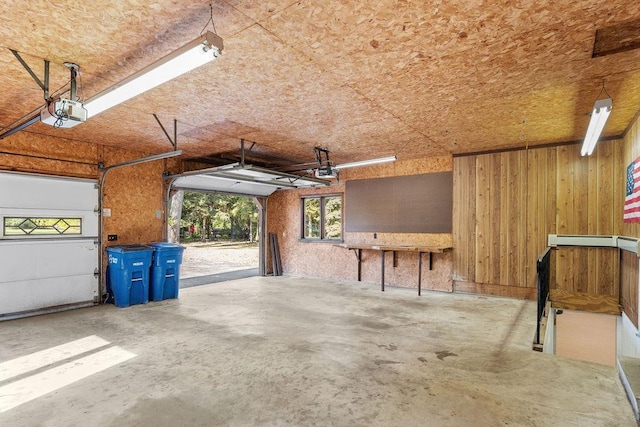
(112, 237)
(375, 235)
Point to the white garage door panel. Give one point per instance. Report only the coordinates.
(22, 260)
(225, 185)
(33, 191)
(16, 297)
(46, 271)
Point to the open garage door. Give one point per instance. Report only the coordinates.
(246, 180)
(48, 244)
(243, 179)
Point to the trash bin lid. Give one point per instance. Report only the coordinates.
(159, 246)
(129, 248)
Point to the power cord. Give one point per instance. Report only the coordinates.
(60, 115)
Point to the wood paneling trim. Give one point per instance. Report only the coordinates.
(495, 290)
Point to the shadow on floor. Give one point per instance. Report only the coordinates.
(217, 278)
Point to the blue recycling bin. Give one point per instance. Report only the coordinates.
(128, 274)
(165, 270)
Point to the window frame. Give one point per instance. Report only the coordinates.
(321, 198)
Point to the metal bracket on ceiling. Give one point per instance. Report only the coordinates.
(242, 150)
(44, 86)
(322, 157)
(320, 153)
(23, 123)
(174, 141)
(73, 69)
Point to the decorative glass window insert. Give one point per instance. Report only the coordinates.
(322, 218)
(41, 226)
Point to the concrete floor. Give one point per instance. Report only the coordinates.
(290, 351)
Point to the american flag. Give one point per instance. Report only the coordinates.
(632, 199)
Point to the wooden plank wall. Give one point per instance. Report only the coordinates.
(631, 152)
(629, 285)
(505, 205)
(629, 269)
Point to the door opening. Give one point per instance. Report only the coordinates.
(221, 234)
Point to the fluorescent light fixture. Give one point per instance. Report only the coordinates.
(190, 56)
(366, 162)
(599, 116)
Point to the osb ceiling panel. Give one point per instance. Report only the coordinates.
(362, 78)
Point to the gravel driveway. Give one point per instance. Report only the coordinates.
(202, 259)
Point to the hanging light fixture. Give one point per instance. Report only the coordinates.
(599, 116)
(200, 51)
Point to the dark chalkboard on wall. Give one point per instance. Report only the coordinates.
(400, 204)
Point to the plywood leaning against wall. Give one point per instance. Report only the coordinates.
(505, 205)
